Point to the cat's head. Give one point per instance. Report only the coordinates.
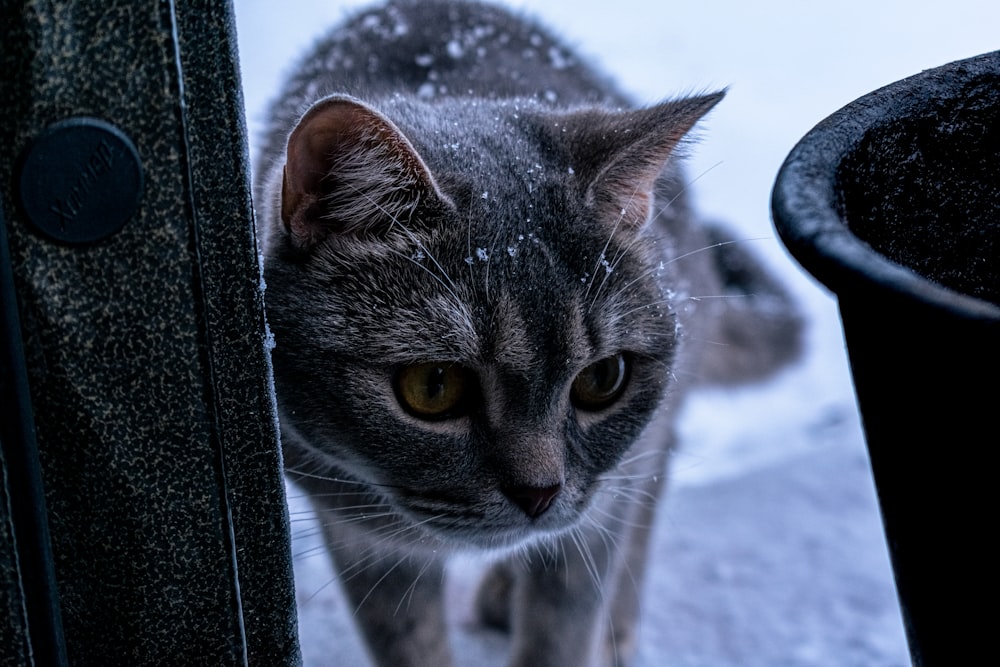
(472, 315)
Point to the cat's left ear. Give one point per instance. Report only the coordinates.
(619, 156)
(350, 171)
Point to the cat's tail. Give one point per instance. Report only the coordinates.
(760, 329)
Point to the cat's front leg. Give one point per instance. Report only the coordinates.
(559, 605)
(397, 601)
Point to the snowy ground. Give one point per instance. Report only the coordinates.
(770, 551)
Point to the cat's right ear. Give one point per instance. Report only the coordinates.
(350, 171)
(618, 156)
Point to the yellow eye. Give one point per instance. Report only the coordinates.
(433, 390)
(600, 384)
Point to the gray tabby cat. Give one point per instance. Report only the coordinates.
(482, 277)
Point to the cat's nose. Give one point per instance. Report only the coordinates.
(534, 500)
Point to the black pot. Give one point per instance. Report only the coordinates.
(893, 203)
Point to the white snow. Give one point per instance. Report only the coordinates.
(769, 549)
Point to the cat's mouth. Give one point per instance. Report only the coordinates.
(493, 521)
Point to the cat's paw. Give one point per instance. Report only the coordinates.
(493, 600)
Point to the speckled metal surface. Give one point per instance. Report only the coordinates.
(146, 351)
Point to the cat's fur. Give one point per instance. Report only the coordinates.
(488, 207)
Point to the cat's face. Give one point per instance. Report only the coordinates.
(476, 338)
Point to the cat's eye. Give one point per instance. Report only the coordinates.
(434, 390)
(600, 384)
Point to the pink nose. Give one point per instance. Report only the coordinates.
(533, 500)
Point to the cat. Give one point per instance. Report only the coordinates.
(483, 280)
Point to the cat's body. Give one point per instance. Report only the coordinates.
(483, 282)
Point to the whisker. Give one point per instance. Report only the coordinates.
(640, 456)
(642, 276)
(681, 191)
(327, 584)
(713, 246)
(601, 258)
(432, 274)
(392, 569)
(613, 265)
(660, 302)
(449, 285)
(588, 559)
(319, 550)
(408, 594)
(720, 296)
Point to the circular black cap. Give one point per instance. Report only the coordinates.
(80, 181)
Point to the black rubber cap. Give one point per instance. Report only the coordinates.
(80, 180)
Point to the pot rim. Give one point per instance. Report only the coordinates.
(804, 201)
